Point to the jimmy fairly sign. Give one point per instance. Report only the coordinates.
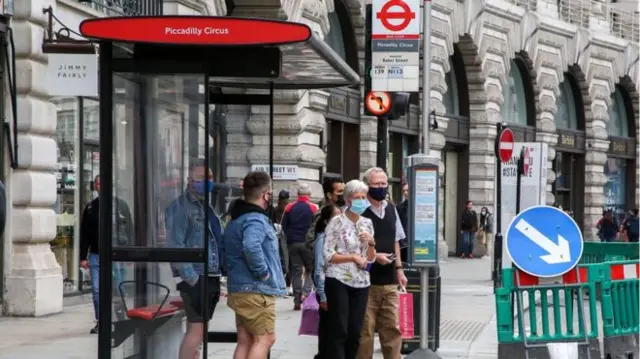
(198, 31)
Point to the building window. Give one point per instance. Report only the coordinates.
(343, 149)
(566, 107)
(514, 106)
(450, 99)
(335, 37)
(618, 122)
(619, 170)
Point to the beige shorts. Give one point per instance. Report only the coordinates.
(255, 312)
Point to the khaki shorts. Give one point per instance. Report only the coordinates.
(255, 312)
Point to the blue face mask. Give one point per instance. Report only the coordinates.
(358, 206)
(198, 186)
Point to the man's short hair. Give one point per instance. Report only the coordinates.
(327, 184)
(255, 183)
(371, 171)
(304, 189)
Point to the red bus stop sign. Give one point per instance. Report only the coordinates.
(505, 145)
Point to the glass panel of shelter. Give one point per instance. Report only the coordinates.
(158, 148)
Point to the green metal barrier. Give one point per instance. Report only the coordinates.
(555, 326)
(620, 299)
(598, 252)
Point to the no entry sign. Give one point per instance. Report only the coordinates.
(505, 145)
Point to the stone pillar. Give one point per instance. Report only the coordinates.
(368, 143)
(34, 283)
(597, 146)
(545, 121)
(439, 67)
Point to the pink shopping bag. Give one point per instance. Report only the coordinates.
(406, 315)
(310, 318)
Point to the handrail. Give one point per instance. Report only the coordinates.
(125, 7)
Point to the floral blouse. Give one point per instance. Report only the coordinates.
(341, 236)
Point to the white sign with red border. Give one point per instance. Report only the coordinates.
(395, 45)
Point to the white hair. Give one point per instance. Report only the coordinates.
(355, 186)
(304, 189)
(370, 172)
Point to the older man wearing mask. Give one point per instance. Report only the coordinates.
(386, 273)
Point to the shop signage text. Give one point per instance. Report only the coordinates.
(72, 75)
(195, 30)
(280, 172)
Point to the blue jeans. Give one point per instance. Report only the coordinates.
(467, 243)
(94, 273)
(117, 273)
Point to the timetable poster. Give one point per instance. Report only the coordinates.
(425, 216)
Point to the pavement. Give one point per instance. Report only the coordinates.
(467, 325)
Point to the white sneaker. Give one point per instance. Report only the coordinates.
(289, 292)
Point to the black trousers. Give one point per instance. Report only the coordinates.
(347, 307)
(322, 332)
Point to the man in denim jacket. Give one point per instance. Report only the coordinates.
(255, 273)
(185, 228)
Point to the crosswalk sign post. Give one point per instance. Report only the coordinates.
(544, 241)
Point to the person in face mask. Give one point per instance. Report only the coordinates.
(186, 227)
(387, 272)
(333, 188)
(349, 248)
(255, 272)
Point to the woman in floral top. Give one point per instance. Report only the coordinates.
(349, 248)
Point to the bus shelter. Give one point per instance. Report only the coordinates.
(164, 81)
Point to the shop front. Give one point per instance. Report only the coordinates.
(78, 161)
(569, 163)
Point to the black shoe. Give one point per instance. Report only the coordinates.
(94, 330)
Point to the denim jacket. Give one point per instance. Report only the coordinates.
(184, 224)
(318, 270)
(253, 259)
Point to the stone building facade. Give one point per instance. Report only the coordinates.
(558, 72)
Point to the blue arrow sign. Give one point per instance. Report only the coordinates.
(544, 241)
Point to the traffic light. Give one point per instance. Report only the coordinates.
(399, 106)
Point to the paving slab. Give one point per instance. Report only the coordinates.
(467, 324)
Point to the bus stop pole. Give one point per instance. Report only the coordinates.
(426, 144)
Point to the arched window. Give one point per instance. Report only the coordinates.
(618, 124)
(566, 115)
(451, 100)
(335, 37)
(514, 107)
(619, 170)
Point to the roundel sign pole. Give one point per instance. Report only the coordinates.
(504, 145)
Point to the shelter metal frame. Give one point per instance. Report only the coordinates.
(206, 61)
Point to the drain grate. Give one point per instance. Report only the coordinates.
(461, 330)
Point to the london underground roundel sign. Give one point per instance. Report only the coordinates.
(195, 30)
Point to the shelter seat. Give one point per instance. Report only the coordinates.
(152, 311)
(147, 318)
(176, 302)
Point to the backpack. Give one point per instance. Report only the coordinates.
(310, 238)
